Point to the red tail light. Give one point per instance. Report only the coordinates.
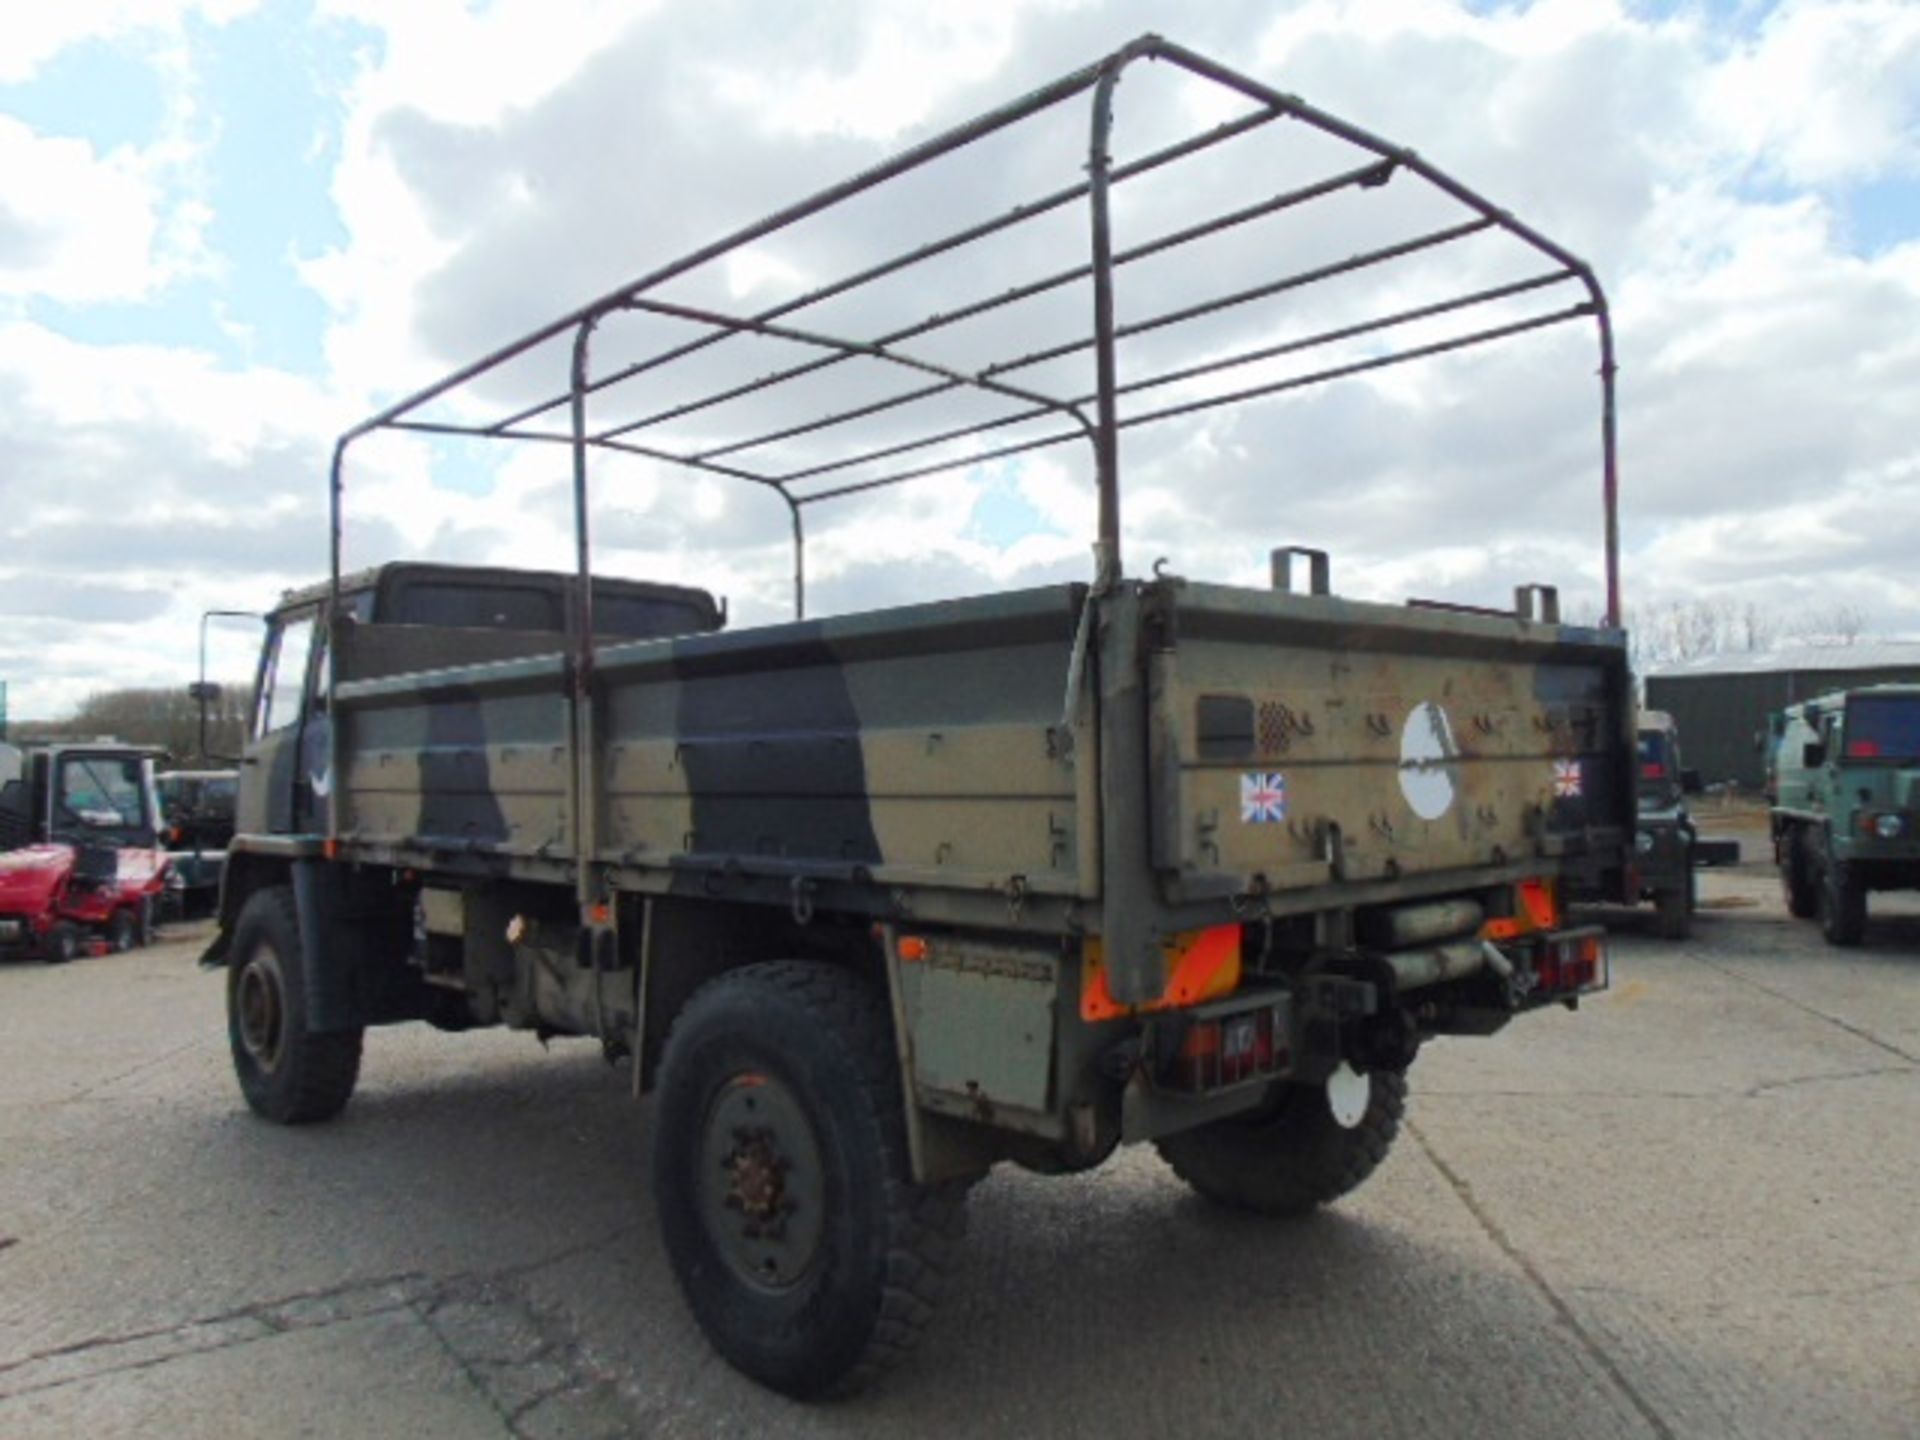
(1216, 1053)
(1571, 963)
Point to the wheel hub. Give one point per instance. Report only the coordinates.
(764, 1201)
(260, 1011)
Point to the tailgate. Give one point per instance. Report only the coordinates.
(1302, 741)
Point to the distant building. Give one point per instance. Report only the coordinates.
(1721, 702)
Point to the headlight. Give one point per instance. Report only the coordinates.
(1889, 827)
(1643, 843)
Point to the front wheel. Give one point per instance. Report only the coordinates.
(803, 1246)
(1673, 912)
(1843, 905)
(287, 1073)
(123, 932)
(1292, 1154)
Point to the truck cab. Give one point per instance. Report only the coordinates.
(407, 616)
(1844, 772)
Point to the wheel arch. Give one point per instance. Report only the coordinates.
(682, 943)
(244, 874)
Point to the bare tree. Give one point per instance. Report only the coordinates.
(168, 719)
(1835, 624)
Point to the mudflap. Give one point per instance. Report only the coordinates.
(354, 937)
(325, 966)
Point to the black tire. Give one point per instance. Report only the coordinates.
(792, 1064)
(1291, 1156)
(1796, 877)
(144, 920)
(1842, 905)
(62, 943)
(288, 1074)
(1673, 913)
(123, 931)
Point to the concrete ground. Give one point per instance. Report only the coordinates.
(1687, 1210)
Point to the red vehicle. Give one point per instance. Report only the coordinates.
(81, 866)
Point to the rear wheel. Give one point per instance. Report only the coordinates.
(288, 1074)
(1796, 877)
(1292, 1155)
(802, 1245)
(62, 943)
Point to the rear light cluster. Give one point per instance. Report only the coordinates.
(1225, 1051)
(1571, 962)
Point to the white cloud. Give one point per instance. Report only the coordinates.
(75, 226)
(1830, 92)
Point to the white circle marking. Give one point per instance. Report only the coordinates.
(1427, 753)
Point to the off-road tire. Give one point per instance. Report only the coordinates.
(1673, 912)
(823, 1039)
(288, 1074)
(123, 931)
(1291, 1156)
(1797, 881)
(1842, 905)
(62, 943)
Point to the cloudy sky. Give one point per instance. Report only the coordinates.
(229, 230)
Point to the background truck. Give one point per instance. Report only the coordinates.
(1844, 777)
(1667, 846)
(80, 861)
(197, 815)
(873, 903)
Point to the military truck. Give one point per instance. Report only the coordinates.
(1844, 776)
(875, 902)
(197, 808)
(1667, 846)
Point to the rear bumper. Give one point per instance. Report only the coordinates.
(1372, 1014)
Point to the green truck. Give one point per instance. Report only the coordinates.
(1843, 776)
(876, 902)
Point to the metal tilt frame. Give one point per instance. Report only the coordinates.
(1096, 416)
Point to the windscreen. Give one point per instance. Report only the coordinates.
(495, 606)
(1659, 767)
(1883, 727)
(102, 799)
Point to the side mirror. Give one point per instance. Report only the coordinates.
(1690, 781)
(1813, 755)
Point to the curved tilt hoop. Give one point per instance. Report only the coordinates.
(1093, 415)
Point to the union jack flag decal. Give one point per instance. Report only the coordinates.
(1263, 798)
(1567, 784)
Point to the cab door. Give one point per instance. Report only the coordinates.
(276, 792)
